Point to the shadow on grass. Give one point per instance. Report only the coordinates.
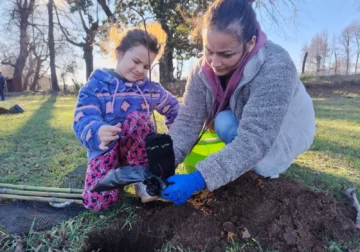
(22, 144)
(336, 148)
(343, 160)
(320, 181)
(40, 117)
(34, 150)
(33, 157)
(338, 109)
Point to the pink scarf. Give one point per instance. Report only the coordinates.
(222, 98)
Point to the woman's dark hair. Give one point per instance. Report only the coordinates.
(136, 37)
(235, 17)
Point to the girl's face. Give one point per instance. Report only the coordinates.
(133, 65)
(224, 52)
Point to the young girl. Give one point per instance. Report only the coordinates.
(112, 116)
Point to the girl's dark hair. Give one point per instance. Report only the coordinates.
(235, 17)
(136, 37)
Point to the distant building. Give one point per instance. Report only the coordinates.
(8, 71)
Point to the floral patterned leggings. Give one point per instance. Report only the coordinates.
(128, 150)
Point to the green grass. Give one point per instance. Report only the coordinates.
(330, 78)
(333, 160)
(68, 235)
(38, 147)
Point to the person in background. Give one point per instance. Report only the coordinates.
(2, 86)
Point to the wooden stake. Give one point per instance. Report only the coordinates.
(42, 199)
(42, 194)
(43, 189)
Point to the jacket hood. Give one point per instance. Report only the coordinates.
(108, 76)
(103, 75)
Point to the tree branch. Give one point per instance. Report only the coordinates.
(106, 9)
(6, 60)
(64, 32)
(83, 22)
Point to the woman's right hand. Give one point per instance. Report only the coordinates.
(108, 133)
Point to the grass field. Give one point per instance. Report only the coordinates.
(38, 147)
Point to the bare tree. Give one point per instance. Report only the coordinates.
(54, 82)
(355, 27)
(334, 51)
(106, 9)
(29, 69)
(318, 52)
(22, 11)
(345, 40)
(341, 64)
(89, 25)
(39, 55)
(279, 12)
(7, 55)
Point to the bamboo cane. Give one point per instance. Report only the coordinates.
(43, 199)
(43, 189)
(42, 194)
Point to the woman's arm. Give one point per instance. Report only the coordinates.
(271, 93)
(186, 128)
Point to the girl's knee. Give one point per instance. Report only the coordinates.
(99, 201)
(138, 124)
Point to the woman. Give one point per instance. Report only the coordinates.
(249, 90)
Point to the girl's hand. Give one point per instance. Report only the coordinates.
(108, 133)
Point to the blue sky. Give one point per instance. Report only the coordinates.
(314, 16)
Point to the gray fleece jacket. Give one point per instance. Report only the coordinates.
(275, 113)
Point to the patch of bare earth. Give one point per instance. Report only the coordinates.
(280, 214)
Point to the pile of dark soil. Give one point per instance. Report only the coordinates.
(279, 214)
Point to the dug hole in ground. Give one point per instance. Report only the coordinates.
(273, 215)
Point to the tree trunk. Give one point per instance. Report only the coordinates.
(25, 9)
(21, 59)
(179, 69)
(347, 61)
(304, 62)
(357, 61)
(167, 66)
(35, 82)
(30, 71)
(27, 78)
(63, 79)
(89, 59)
(54, 82)
(318, 63)
(335, 64)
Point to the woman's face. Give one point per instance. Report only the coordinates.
(224, 52)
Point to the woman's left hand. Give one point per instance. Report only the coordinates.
(182, 186)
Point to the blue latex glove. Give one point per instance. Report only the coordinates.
(182, 186)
